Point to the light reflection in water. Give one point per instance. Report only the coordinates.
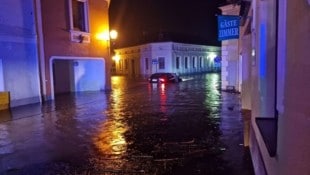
(163, 98)
(213, 95)
(110, 139)
(161, 89)
(214, 85)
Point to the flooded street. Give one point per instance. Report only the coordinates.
(186, 128)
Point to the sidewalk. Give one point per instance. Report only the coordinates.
(233, 124)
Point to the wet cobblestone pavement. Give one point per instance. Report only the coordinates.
(186, 128)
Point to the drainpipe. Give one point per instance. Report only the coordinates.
(40, 45)
(276, 62)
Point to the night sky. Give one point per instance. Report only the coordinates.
(142, 21)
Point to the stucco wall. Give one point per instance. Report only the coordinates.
(294, 142)
(19, 51)
(246, 72)
(230, 54)
(169, 51)
(57, 38)
(293, 127)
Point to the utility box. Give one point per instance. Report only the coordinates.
(4, 100)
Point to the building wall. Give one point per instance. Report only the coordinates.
(288, 60)
(58, 43)
(246, 85)
(294, 138)
(19, 52)
(152, 52)
(230, 54)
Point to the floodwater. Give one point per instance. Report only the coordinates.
(186, 128)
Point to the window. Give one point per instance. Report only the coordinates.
(200, 62)
(186, 62)
(121, 65)
(161, 63)
(194, 62)
(78, 15)
(146, 64)
(177, 62)
(126, 64)
(79, 26)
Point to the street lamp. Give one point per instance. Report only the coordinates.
(108, 36)
(113, 34)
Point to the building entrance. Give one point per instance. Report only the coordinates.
(77, 75)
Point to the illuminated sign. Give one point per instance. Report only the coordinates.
(228, 27)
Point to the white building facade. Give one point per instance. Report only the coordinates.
(273, 58)
(19, 65)
(144, 60)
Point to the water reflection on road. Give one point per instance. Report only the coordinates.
(137, 128)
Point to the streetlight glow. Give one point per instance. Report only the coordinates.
(103, 36)
(106, 36)
(116, 58)
(113, 34)
(212, 56)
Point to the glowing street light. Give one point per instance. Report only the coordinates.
(107, 36)
(113, 34)
(116, 58)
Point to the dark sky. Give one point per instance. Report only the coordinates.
(141, 21)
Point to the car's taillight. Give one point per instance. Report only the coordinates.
(162, 80)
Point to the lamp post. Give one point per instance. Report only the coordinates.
(109, 37)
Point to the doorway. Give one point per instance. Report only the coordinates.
(74, 74)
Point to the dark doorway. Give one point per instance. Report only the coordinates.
(62, 71)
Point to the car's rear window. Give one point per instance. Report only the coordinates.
(159, 75)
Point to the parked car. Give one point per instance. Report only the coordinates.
(164, 78)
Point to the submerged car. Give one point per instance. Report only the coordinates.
(164, 78)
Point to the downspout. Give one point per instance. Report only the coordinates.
(40, 45)
(276, 62)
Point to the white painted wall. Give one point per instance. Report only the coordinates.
(294, 138)
(246, 72)
(19, 51)
(230, 55)
(293, 142)
(169, 51)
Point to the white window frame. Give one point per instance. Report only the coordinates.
(76, 35)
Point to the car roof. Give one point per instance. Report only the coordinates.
(162, 73)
